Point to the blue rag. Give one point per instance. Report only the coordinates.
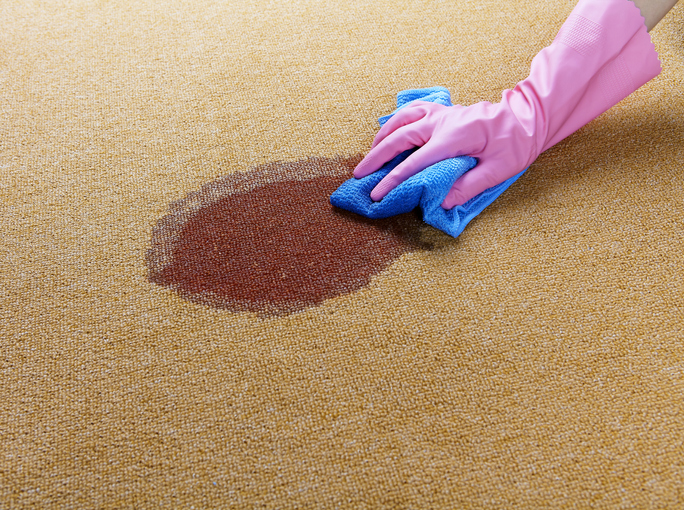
(426, 189)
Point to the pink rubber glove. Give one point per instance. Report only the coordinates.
(635, 66)
(579, 76)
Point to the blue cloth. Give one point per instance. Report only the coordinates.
(427, 189)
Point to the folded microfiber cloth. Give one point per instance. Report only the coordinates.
(426, 189)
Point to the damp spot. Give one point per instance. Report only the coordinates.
(268, 240)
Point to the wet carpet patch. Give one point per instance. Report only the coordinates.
(268, 240)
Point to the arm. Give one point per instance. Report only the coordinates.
(654, 10)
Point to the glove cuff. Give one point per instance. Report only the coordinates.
(635, 65)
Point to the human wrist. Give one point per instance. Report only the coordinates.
(654, 10)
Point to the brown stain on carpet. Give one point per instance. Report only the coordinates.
(268, 241)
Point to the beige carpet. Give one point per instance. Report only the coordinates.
(537, 361)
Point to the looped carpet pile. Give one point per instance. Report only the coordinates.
(186, 322)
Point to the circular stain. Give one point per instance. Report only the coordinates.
(268, 241)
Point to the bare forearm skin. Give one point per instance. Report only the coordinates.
(654, 10)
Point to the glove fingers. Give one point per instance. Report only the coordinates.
(407, 115)
(397, 142)
(416, 162)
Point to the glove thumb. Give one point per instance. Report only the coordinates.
(473, 182)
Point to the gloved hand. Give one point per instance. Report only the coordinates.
(601, 54)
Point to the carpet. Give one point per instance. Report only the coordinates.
(186, 322)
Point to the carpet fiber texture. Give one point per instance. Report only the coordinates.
(186, 322)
